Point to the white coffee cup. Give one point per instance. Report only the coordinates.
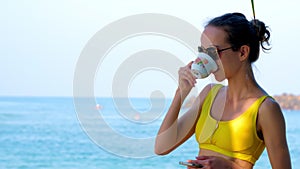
(203, 66)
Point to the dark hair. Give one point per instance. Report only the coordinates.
(242, 32)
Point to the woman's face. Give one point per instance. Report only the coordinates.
(215, 36)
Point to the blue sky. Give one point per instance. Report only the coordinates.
(41, 41)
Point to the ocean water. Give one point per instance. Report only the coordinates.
(41, 132)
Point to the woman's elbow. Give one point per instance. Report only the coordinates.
(160, 150)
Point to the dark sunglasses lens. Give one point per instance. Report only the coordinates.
(213, 52)
(200, 49)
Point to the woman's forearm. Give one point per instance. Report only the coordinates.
(167, 135)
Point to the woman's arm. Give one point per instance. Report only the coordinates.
(272, 124)
(173, 131)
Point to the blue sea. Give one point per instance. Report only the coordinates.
(50, 132)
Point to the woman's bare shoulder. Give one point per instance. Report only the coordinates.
(270, 113)
(270, 105)
(202, 95)
(206, 89)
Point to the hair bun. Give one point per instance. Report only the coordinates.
(239, 14)
(262, 32)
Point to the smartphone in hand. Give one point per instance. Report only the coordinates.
(190, 164)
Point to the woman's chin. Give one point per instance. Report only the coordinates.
(220, 79)
(219, 76)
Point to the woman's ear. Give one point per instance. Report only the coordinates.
(245, 51)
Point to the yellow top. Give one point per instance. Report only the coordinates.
(235, 138)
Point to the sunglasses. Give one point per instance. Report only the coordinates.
(213, 51)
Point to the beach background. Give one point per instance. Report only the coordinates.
(44, 132)
(47, 72)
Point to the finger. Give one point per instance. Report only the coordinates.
(182, 71)
(185, 68)
(189, 65)
(190, 77)
(202, 157)
(190, 80)
(186, 74)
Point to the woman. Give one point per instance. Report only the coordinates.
(234, 123)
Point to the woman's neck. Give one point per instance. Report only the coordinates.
(243, 85)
